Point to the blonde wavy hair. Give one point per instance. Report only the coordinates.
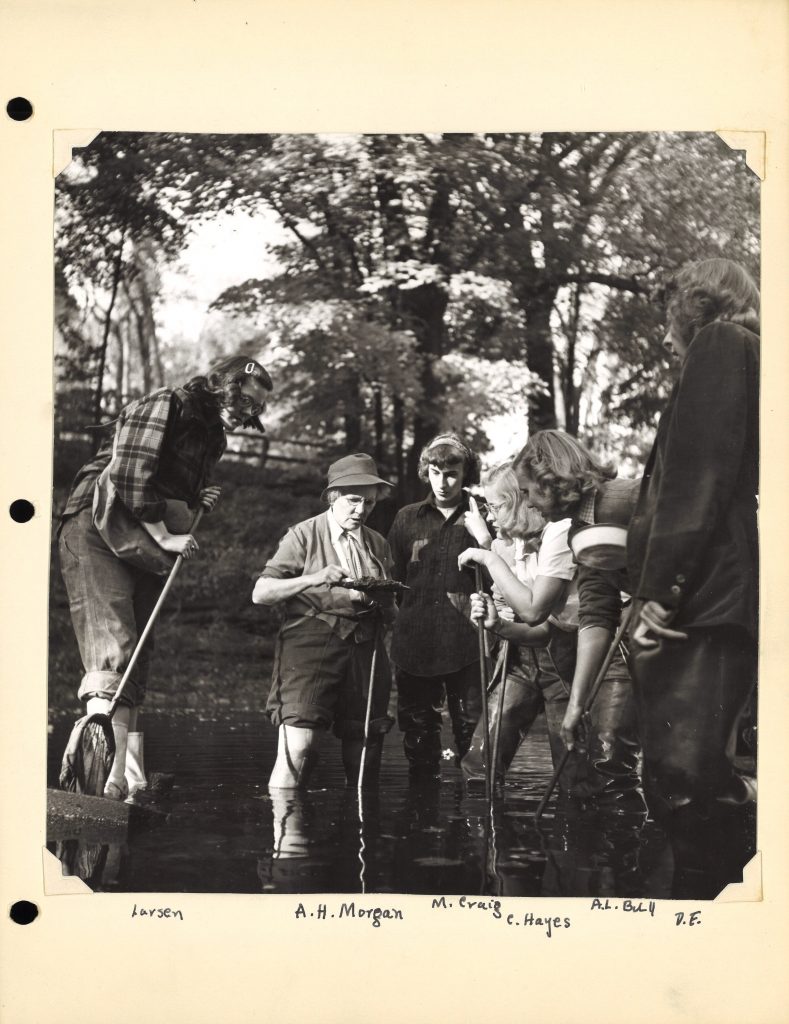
(562, 468)
(514, 518)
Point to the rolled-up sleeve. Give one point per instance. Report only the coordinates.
(599, 598)
(287, 562)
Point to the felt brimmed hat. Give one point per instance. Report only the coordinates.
(357, 470)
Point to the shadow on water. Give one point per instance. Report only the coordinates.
(220, 830)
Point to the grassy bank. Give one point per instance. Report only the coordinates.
(213, 646)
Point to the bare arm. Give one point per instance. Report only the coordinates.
(593, 645)
(483, 606)
(176, 543)
(271, 591)
(531, 605)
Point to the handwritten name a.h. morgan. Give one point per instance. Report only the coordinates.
(373, 914)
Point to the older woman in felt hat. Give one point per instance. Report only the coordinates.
(324, 656)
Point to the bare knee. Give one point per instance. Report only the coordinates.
(297, 753)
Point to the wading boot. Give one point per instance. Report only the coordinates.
(135, 770)
(352, 760)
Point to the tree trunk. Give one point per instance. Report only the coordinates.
(537, 305)
(424, 309)
(116, 280)
(120, 368)
(352, 415)
(378, 419)
(398, 428)
(569, 390)
(146, 301)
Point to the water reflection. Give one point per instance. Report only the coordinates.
(219, 829)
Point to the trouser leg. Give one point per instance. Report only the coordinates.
(102, 591)
(353, 749)
(689, 697)
(555, 665)
(464, 702)
(419, 702)
(612, 738)
(521, 705)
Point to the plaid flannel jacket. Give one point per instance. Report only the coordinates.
(168, 444)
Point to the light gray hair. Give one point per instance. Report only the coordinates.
(333, 493)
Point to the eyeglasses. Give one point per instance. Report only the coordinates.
(495, 506)
(249, 405)
(356, 502)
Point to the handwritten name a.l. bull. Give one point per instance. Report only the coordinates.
(629, 906)
(157, 912)
(372, 914)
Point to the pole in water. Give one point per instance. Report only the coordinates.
(599, 679)
(369, 708)
(505, 650)
(483, 675)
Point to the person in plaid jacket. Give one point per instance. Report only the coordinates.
(166, 445)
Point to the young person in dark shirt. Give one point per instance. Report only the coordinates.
(435, 648)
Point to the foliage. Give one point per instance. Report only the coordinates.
(408, 254)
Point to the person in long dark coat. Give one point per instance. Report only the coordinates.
(693, 557)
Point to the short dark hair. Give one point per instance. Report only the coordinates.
(716, 289)
(563, 469)
(222, 382)
(445, 451)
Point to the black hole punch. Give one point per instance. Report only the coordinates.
(19, 109)
(21, 510)
(23, 912)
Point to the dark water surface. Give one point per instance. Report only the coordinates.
(219, 830)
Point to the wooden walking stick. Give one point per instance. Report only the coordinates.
(483, 677)
(600, 677)
(369, 704)
(505, 651)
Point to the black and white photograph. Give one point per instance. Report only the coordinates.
(404, 514)
(393, 594)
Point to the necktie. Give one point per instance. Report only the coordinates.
(356, 566)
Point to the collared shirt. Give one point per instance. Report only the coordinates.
(433, 633)
(308, 547)
(370, 567)
(555, 560)
(168, 445)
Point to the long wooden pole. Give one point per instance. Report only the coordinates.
(483, 679)
(152, 619)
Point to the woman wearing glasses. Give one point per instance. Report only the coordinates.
(542, 644)
(326, 644)
(160, 458)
